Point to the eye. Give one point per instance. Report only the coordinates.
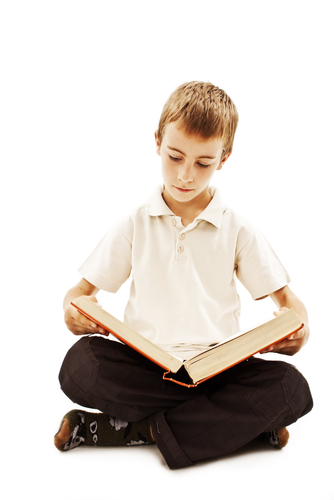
(174, 158)
(203, 165)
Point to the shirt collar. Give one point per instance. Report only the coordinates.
(214, 211)
(156, 206)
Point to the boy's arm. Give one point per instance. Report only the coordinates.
(286, 299)
(76, 322)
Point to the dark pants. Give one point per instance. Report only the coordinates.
(211, 420)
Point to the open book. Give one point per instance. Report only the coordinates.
(205, 365)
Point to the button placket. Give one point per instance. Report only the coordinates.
(180, 248)
(179, 236)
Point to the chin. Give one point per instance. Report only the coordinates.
(179, 196)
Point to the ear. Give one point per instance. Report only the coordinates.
(157, 143)
(223, 161)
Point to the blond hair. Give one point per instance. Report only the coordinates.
(203, 110)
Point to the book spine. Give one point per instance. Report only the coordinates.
(177, 381)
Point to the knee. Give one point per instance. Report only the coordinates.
(297, 392)
(79, 370)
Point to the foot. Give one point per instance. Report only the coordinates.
(81, 428)
(278, 439)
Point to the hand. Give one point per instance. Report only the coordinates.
(79, 324)
(291, 345)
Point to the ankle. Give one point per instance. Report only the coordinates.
(81, 428)
(150, 433)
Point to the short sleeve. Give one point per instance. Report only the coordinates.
(110, 264)
(259, 269)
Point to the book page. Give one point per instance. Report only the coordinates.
(126, 334)
(185, 352)
(231, 337)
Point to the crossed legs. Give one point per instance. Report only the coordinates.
(188, 425)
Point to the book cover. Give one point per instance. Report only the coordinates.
(205, 365)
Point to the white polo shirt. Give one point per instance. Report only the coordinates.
(183, 293)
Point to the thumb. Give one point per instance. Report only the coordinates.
(93, 299)
(280, 311)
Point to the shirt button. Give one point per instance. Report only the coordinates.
(182, 236)
(180, 248)
(174, 222)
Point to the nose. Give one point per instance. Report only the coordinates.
(185, 173)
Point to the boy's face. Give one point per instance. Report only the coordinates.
(188, 164)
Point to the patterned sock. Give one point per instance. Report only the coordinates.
(81, 428)
(278, 439)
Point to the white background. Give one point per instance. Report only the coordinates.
(82, 87)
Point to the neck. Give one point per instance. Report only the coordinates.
(188, 210)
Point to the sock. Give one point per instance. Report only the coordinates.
(277, 439)
(81, 428)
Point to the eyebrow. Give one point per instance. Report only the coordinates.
(203, 156)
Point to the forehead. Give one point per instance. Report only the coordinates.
(176, 137)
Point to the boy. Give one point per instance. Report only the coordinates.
(183, 248)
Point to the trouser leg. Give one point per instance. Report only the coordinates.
(113, 378)
(256, 396)
(189, 425)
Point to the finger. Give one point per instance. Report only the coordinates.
(84, 324)
(297, 335)
(81, 322)
(280, 311)
(281, 346)
(94, 328)
(270, 348)
(102, 331)
(288, 347)
(86, 330)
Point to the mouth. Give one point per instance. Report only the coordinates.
(182, 190)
